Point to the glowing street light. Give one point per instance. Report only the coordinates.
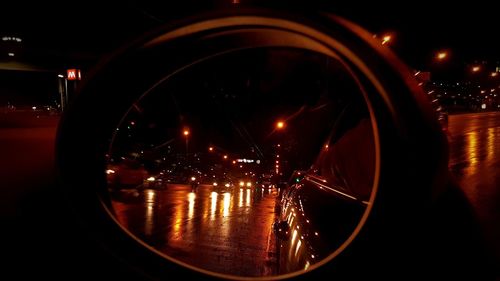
(494, 74)
(476, 68)
(210, 148)
(280, 125)
(442, 55)
(185, 132)
(386, 39)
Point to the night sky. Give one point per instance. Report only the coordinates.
(77, 33)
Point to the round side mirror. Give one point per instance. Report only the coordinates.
(228, 100)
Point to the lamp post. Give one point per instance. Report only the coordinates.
(442, 55)
(186, 136)
(62, 90)
(476, 68)
(280, 126)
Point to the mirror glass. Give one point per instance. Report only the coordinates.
(256, 162)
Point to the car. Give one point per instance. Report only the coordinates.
(129, 174)
(307, 230)
(223, 183)
(266, 181)
(246, 183)
(320, 208)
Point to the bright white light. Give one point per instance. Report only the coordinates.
(109, 171)
(240, 201)
(213, 204)
(483, 106)
(294, 236)
(248, 198)
(215, 184)
(227, 185)
(193, 178)
(60, 75)
(8, 38)
(151, 179)
(34, 107)
(191, 199)
(11, 54)
(386, 39)
(299, 243)
(226, 204)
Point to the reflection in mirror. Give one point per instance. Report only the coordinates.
(253, 163)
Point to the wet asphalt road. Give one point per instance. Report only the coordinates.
(475, 162)
(222, 230)
(229, 231)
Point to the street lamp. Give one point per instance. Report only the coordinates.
(442, 55)
(476, 68)
(62, 85)
(386, 39)
(280, 125)
(186, 135)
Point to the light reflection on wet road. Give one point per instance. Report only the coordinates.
(226, 231)
(229, 231)
(475, 162)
